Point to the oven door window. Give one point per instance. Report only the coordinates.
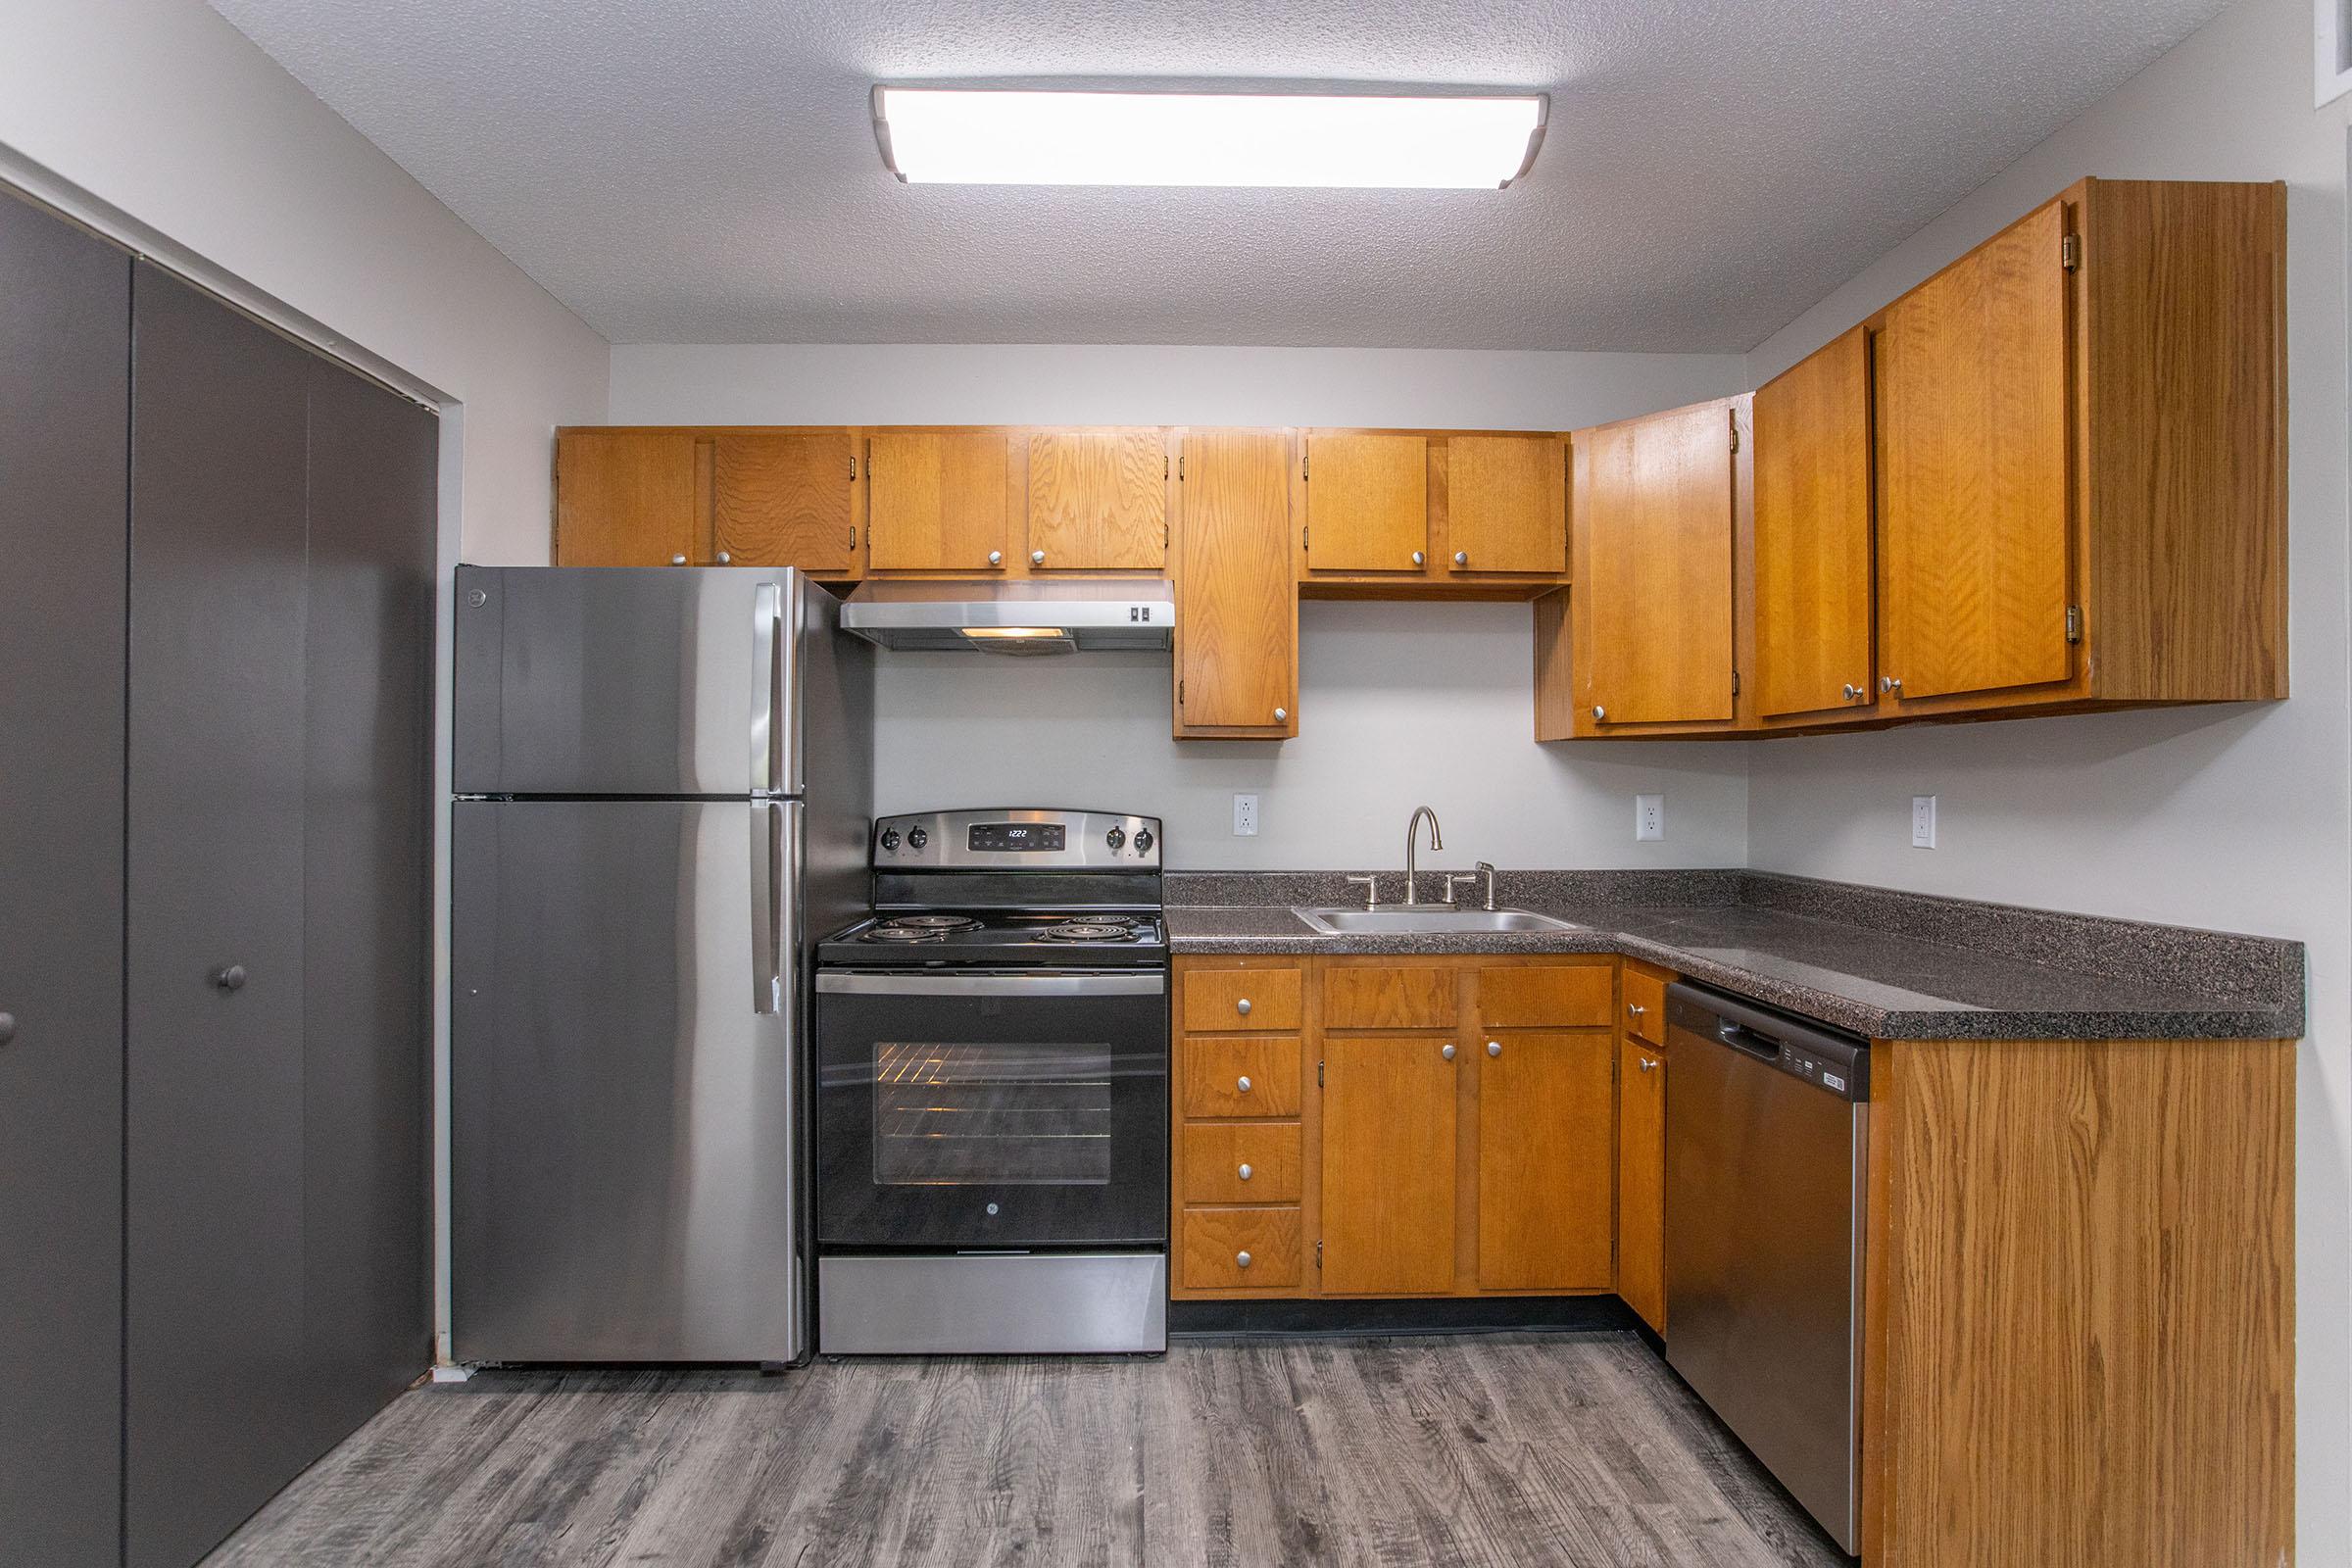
(979, 1111)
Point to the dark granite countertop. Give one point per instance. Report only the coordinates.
(1775, 940)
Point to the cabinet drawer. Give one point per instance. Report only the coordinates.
(1645, 1005)
(1420, 998)
(1240, 1077)
(1216, 1242)
(1216, 1153)
(1241, 999)
(1545, 997)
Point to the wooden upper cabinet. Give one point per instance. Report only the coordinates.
(625, 497)
(1237, 600)
(788, 501)
(1652, 607)
(1976, 483)
(938, 502)
(1544, 1154)
(1506, 506)
(1814, 592)
(1098, 500)
(1367, 502)
(1388, 1165)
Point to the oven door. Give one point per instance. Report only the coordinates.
(992, 1112)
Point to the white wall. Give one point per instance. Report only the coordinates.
(1399, 704)
(2235, 817)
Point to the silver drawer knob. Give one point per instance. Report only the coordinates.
(677, 560)
(1447, 1052)
(1241, 1259)
(1493, 1048)
(996, 558)
(1037, 557)
(1281, 715)
(1243, 1085)
(1600, 713)
(1246, 1173)
(725, 559)
(1461, 558)
(1418, 558)
(1243, 1007)
(1635, 1009)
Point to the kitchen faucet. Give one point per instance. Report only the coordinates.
(1412, 829)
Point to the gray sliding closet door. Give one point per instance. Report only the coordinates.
(64, 368)
(368, 878)
(214, 1173)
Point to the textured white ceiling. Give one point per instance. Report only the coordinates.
(704, 170)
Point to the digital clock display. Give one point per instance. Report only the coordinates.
(1017, 836)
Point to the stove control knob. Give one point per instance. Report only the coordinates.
(1115, 837)
(889, 838)
(916, 838)
(1143, 841)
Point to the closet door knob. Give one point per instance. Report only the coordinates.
(231, 977)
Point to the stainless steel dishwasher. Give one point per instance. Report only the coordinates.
(1767, 1121)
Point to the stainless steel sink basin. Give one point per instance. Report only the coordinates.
(1426, 920)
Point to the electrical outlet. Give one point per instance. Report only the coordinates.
(1923, 821)
(1649, 816)
(1245, 816)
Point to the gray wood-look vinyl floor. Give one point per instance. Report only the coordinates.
(1506, 1448)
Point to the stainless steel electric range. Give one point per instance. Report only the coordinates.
(992, 1104)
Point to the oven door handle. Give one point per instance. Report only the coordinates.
(834, 982)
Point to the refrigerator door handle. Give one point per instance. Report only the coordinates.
(769, 651)
(771, 907)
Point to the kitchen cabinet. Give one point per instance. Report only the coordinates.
(1237, 600)
(1815, 595)
(626, 498)
(939, 501)
(1239, 1174)
(1652, 618)
(1366, 507)
(1641, 1179)
(1098, 500)
(1389, 1164)
(1544, 1159)
(787, 500)
(1506, 505)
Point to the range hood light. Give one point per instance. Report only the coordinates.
(993, 136)
(1025, 633)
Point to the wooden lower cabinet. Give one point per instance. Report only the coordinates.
(1389, 1164)
(1641, 1180)
(1544, 1161)
(1231, 1249)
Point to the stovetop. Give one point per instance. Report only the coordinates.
(1041, 937)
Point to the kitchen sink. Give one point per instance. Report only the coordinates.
(1426, 920)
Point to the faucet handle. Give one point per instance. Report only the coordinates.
(1485, 868)
(1451, 877)
(1371, 890)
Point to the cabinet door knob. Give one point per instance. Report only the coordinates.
(1890, 683)
(1418, 558)
(1447, 1052)
(996, 558)
(725, 559)
(1633, 1010)
(1600, 713)
(1852, 691)
(1281, 715)
(229, 977)
(1461, 558)
(1037, 557)
(7, 1029)
(1246, 1173)
(677, 560)
(1241, 1261)
(1243, 1084)
(1648, 1065)
(1493, 1048)
(1243, 1006)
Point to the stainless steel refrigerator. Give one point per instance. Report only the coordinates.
(664, 780)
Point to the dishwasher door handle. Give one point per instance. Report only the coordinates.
(1749, 1042)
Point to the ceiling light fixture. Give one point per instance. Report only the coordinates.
(991, 137)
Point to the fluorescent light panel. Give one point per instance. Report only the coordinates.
(971, 136)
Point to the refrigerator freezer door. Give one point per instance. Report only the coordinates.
(625, 1119)
(628, 681)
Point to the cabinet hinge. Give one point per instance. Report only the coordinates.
(1734, 683)
(1318, 1251)
(1318, 1075)
(1163, 464)
(853, 468)
(1180, 694)
(1164, 531)
(1179, 467)
(1302, 467)
(1303, 536)
(1735, 419)
(2070, 252)
(2074, 624)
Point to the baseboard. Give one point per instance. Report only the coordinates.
(1445, 1315)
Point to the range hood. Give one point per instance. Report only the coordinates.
(1028, 615)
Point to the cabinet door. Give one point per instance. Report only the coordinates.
(937, 503)
(787, 500)
(65, 365)
(1641, 1180)
(1972, 386)
(624, 498)
(214, 1402)
(1506, 503)
(1098, 500)
(1237, 622)
(1388, 1165)
(1367, 502)
(1544, 1178)
(1813, 556)
(1653, 590)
